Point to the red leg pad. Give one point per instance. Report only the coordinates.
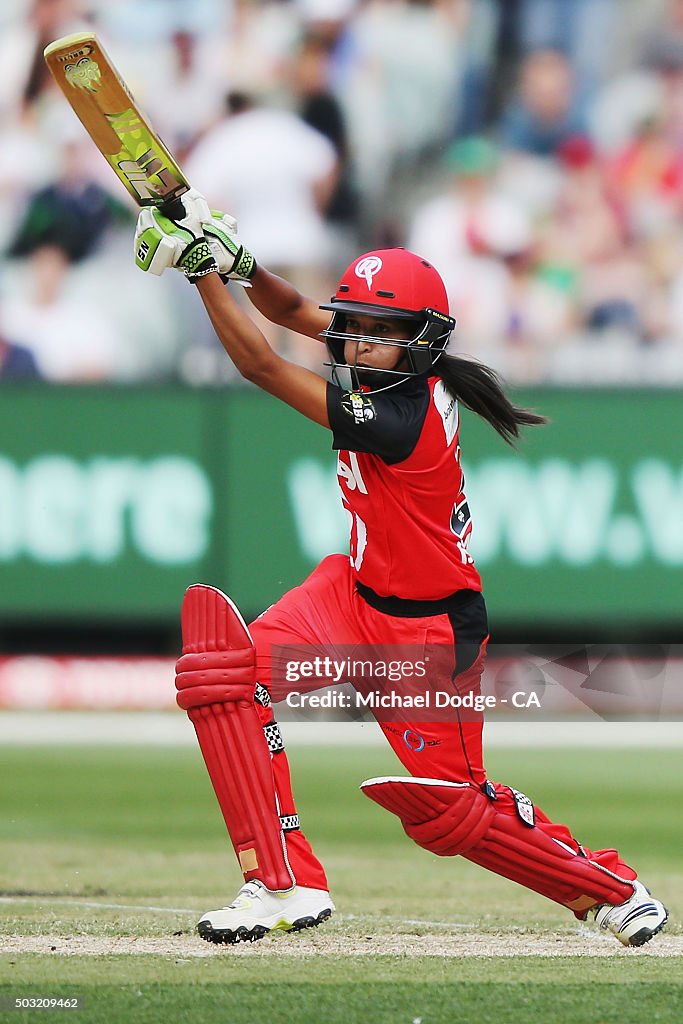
(238, 762)
(546, 858)
(446, 818)
(216, 683)
(218, 660)
(449, 818)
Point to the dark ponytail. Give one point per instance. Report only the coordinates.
(479, 388)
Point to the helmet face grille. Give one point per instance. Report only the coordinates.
(422, 350)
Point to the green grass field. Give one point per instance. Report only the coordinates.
(109, 855)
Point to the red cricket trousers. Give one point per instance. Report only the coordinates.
(326, 616)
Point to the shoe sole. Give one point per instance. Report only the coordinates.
(228, 937)
(645, 934)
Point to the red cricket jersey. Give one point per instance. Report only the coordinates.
(402, 488)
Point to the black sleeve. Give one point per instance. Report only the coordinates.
(387, 424)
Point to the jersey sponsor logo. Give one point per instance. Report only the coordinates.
(360, 406)
(413, 740)
(461, 526)
(387, 727)
(367, 268)
(460, 518)
(447, 407)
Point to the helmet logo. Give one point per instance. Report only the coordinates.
(367, 268)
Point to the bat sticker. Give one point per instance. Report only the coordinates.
(85, 74)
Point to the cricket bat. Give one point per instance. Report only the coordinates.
(103, 103)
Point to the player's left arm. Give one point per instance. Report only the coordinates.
(273, 296)
(283, 304)
(255, 360)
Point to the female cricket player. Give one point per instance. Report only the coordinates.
(408, 583)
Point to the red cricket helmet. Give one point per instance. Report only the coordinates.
(399, 284)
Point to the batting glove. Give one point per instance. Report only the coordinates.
(162, 242)
(234, 261)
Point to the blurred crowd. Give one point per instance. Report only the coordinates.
(533, 149)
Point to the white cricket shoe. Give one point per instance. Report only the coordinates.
(255, 911)
(635, 921)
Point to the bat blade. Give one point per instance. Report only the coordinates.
(109, 113)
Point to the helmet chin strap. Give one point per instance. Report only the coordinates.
(353, 376)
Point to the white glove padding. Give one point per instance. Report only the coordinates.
(154, 251)
(179, 242)
(197, 212)
(234, 261)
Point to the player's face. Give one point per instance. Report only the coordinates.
(362, 350)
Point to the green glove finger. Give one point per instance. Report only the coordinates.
(214, 231)
(170, 227)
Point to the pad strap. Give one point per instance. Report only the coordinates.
(216, 683)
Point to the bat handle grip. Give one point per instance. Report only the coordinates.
(173, 209)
